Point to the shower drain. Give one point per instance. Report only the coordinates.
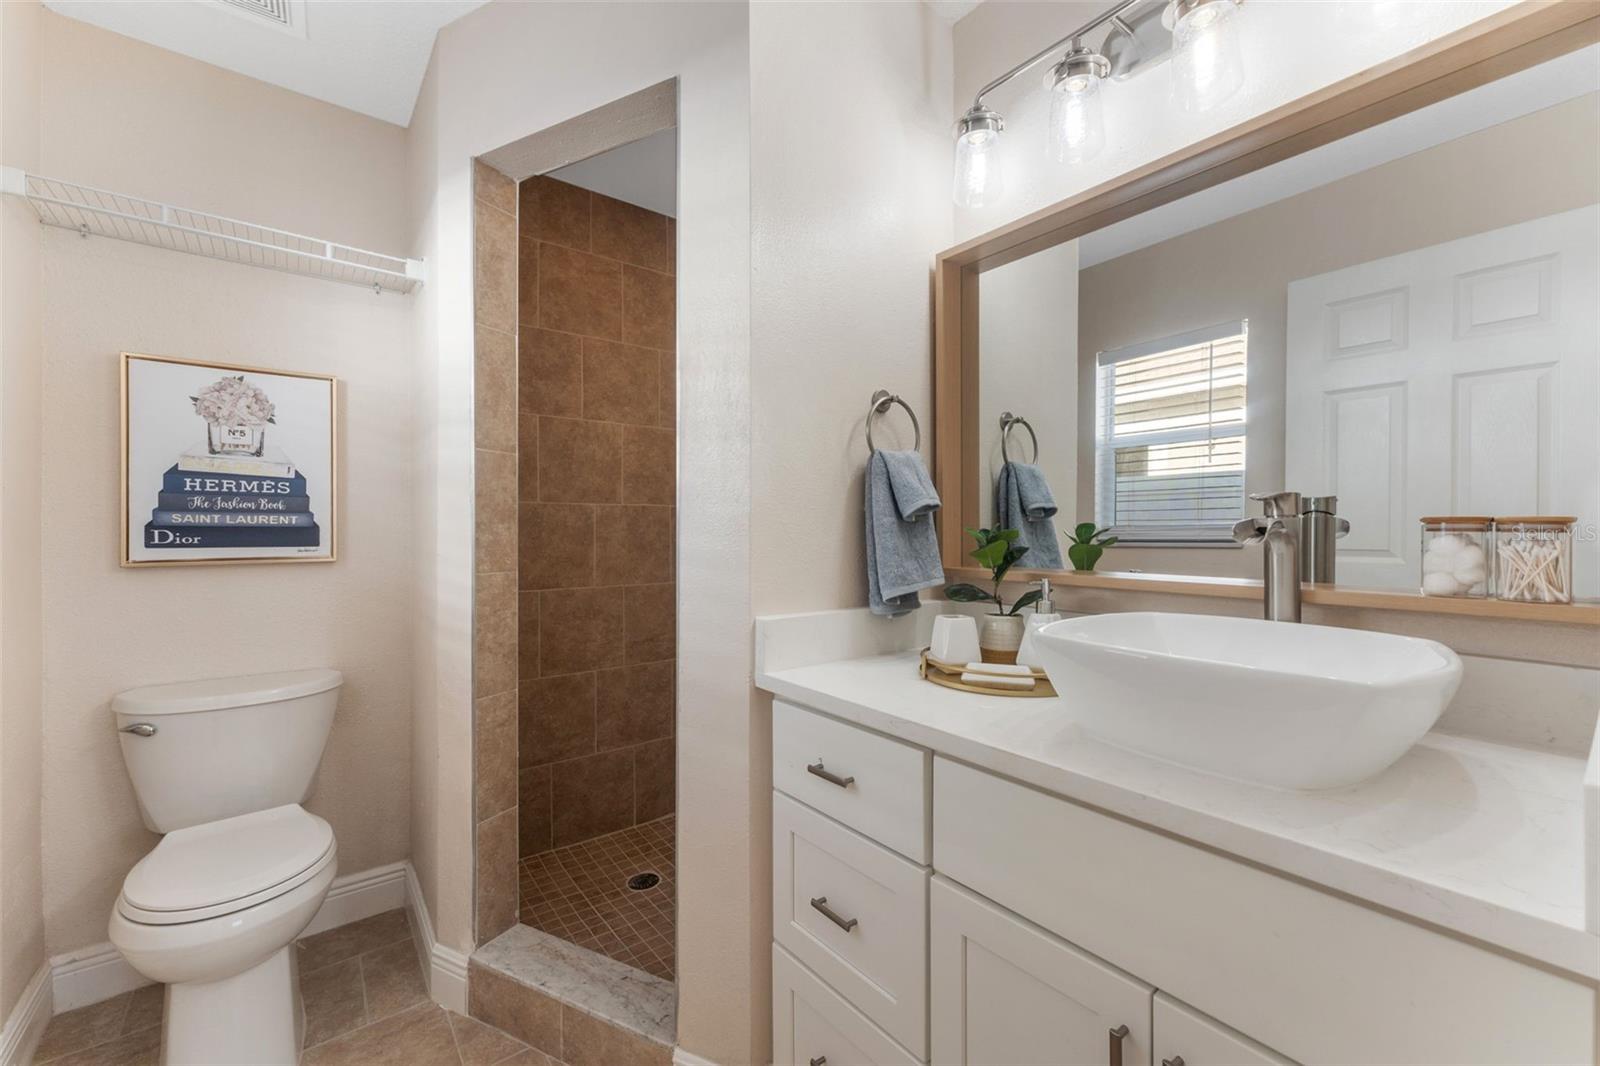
(640, 882)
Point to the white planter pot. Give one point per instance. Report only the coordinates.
(999, 637)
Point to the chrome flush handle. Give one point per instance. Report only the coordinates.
(139, 729)
(820, 1060)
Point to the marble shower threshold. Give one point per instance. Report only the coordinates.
(572, 1003)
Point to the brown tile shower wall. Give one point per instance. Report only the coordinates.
(494, 658)
(596, 409)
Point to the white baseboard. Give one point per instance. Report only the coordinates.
(361, 895)
(444, 967)
(98, 972)
(20, 1037)
(681, 1057)
(91, 974)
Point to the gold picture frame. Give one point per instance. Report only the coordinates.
(246, 493)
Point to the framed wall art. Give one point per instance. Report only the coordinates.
(226, 464)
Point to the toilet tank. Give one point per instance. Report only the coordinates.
(198, 751)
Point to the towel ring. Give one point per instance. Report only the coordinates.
(1008, 422)
(881, 401)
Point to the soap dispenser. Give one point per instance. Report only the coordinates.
(1044, 612)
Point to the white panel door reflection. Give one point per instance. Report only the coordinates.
(1462, 378)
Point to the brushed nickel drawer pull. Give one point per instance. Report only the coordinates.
(1176, 1060)
(832, 778)
(1117, 1036)
(820, 905)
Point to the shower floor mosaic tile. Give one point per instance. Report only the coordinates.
(580, 893)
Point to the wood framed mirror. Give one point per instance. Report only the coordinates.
(1381, 566)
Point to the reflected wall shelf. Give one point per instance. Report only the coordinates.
(100, 213)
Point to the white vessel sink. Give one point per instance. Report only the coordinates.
(1273, 703)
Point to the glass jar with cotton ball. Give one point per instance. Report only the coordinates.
(1077, 120)
(1458, 556)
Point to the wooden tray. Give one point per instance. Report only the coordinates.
(948, 675)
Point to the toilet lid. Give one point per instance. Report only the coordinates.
(206, 866)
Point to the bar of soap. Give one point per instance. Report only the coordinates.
(1005, 669)
(996, 681)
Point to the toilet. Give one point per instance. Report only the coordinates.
(220, 767)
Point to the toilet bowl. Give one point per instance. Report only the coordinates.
(213, 913)
(220, 767)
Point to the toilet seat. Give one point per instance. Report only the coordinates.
(219, 868)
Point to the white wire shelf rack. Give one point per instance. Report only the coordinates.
(101, 213)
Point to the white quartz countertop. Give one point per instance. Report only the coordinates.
(1483, 839)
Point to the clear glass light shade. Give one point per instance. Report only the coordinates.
(979, 180)
(1077, 120)
(1207, 61)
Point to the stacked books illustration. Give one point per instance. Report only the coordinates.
(232, 490)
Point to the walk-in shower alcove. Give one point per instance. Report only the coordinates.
(576, 615)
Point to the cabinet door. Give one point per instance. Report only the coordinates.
(1185, 1037)
(1005, 991)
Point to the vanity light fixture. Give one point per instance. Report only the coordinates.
(1207, 66)
(1077, 120)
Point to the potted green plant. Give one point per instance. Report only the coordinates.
(1087, 544)
(1001, 632)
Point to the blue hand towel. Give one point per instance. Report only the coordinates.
(1022, 501)
(902, 544)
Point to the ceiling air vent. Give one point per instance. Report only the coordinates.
(287, 16)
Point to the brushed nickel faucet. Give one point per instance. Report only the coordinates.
(1278, 531)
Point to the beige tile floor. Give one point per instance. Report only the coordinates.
(580, 893)
(365, 1002)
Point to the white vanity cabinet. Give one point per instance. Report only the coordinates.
(995, 923)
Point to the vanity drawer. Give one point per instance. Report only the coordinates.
(869, 782)
(812, 1024)
(880, 962)
(1183, 1034)
(1316, 976)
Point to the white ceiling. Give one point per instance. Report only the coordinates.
(366, 55)
(643, 173)
(1523, 93)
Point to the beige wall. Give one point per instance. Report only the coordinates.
(846, 217)
(849, 200)
(497, 75)
(1469, 185)
(22, 948)
(432, 844)
(125, 115)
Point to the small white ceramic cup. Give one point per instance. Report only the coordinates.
(955, 639)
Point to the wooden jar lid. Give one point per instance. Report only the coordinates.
(1460, 521)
